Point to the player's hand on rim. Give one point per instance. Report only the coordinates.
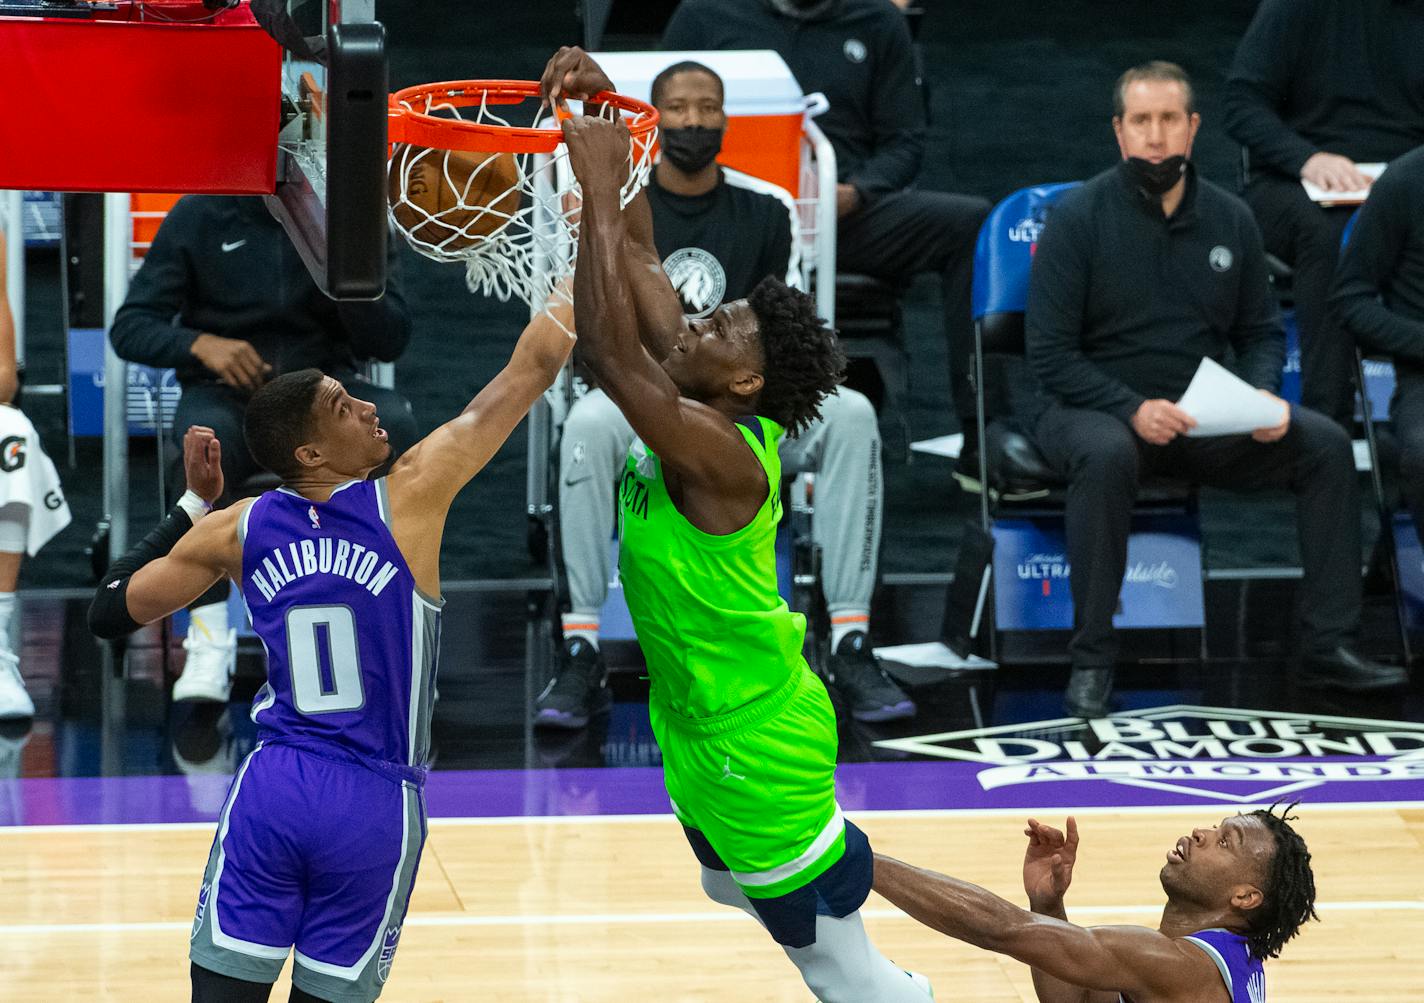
(572, 73)
(598, 151)
(202, 462)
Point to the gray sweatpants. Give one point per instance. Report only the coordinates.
(843, 449)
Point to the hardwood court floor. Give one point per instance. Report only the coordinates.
(609, 909)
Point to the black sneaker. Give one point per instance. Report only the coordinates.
(579, 691)
(864, 685)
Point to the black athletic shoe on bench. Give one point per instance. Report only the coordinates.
(578, 692)
(867, 690)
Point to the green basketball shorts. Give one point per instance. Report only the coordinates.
(759, 784)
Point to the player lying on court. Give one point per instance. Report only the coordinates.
(1236, 893)
(747, 732)
(318, 841)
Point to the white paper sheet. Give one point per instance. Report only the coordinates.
(932, 655)
(948, 446)
(1320, 195)
(1224, 404)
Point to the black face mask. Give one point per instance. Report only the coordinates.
(1157, 179)
(690, 148)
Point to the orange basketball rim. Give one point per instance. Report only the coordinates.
(411, 120)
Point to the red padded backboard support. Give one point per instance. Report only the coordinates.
(125, 106)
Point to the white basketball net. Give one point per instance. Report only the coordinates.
(526, 251)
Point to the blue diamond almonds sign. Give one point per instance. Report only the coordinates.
(1167, 754)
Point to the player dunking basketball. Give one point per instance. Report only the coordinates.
(747, 732)
(318, 841)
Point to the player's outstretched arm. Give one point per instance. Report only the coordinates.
(425, 480)
(181, 558)
(1128, 959)
(573, 74)
(688, 436)
(1047, 873)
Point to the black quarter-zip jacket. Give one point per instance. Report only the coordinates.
(858, 53)
(1342, 76)
(1379, 286)
(1124, 302)
(223, 265)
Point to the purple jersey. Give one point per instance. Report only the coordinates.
(351, 642)
(1244, 975)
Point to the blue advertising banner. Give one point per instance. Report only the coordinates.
(152, 393)
(1161, 588)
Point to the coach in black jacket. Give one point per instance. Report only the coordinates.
(858, 53)
(224, 298)
(1317, 87)
(1140, 274)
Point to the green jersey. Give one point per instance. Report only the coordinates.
(715, 632)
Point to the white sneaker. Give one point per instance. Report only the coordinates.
(14, 699)
(207, 674)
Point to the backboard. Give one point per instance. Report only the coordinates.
(331, 170)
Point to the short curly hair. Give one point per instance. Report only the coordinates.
(279, 419)
(803, 357)
(1289, 892)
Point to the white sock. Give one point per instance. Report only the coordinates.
(848, 621)
(208, 623)
(7, 613)
(584, 625)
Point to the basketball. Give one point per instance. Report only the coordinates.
(469, 195)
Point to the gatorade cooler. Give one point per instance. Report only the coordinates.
(764, 103)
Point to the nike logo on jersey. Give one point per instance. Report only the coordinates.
(234, 245)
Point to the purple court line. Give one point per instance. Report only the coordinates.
(916, 785)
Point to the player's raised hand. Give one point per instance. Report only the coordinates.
(598, 152)
(202, 462)
(572, 73)
(1048, 863)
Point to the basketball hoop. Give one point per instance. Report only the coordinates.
(467, 184)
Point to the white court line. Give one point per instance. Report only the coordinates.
(637, 918)
(1198, 807)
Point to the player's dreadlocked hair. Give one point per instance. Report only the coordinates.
(804, 361)
(1289, 895)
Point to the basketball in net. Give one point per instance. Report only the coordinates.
(450, 199)
(469, 181)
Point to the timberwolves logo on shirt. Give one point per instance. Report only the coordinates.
(698, 278)
(1220, 258)
(12, 453)
(854, 50)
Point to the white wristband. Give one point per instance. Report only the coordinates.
(193, 505)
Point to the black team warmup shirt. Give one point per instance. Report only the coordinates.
(858, 53)
(1379, 287)
(717, 246)
(1339, 76)
(223, 265)
(1124, 302)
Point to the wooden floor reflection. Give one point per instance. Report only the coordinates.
(609, 909)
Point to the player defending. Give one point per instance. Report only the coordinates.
(747, 732)
(318, 842)
(1236, 893)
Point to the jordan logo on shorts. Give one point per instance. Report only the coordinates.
(388, 953)
(727, 773)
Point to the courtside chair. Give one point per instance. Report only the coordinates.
(1373, 396)
(1021, 497)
